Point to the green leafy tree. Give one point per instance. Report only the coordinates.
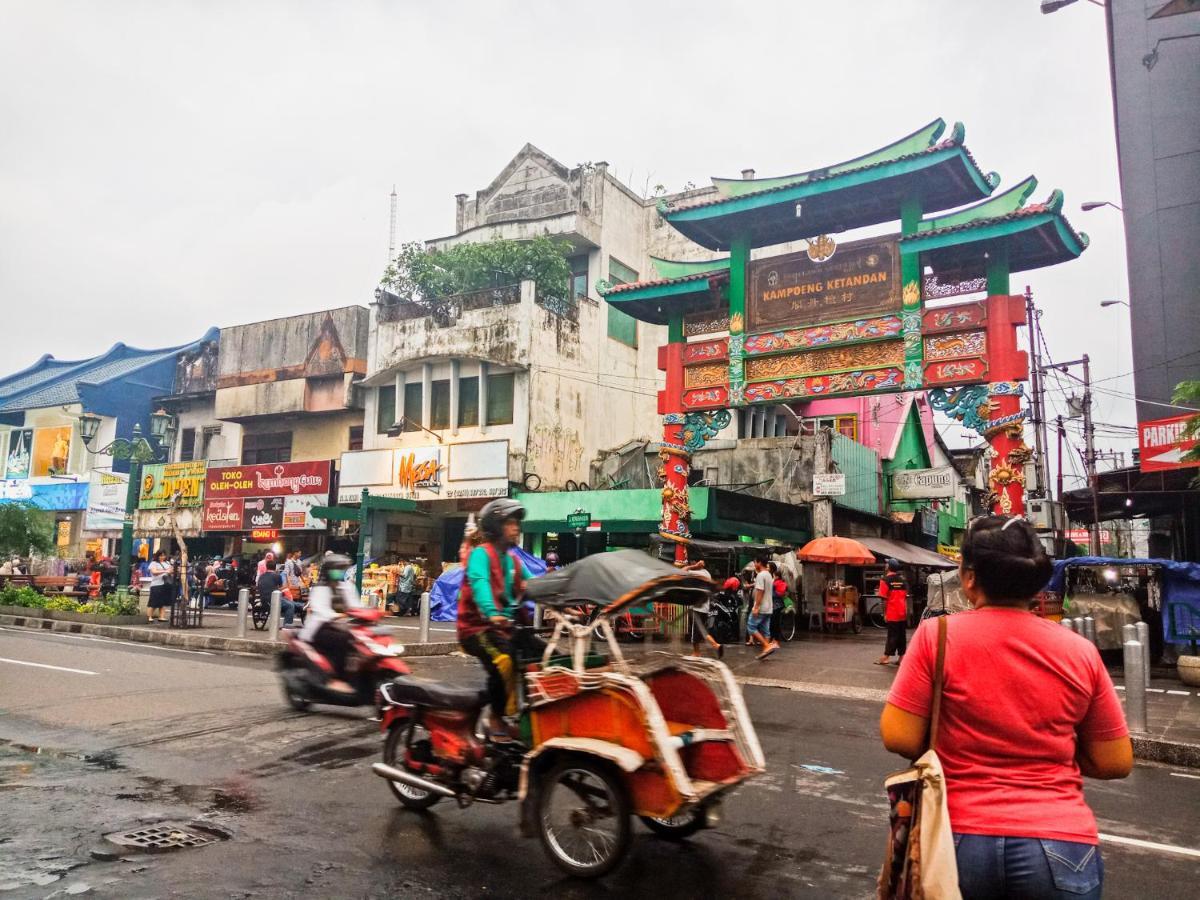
(24, 529)
(1187, 393)
(427, 276)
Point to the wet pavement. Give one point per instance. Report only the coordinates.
(153, 736)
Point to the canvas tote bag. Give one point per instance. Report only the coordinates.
(920, 863)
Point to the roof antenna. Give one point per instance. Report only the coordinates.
(392, 229)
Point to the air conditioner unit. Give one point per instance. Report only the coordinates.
(1047, 515)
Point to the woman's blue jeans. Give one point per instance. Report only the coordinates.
(993, 868)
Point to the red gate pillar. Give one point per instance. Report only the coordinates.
(1008, 366)
(675, 459)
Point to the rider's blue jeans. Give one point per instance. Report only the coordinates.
(993, 868)
(287, 609)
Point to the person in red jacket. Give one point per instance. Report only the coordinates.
(894, 591)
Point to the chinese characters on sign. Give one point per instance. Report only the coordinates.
(860, 279)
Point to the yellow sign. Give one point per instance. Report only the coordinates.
(420, 469)
(950, 552)
(161, 482)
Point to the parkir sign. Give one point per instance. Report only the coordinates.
(1162, 446)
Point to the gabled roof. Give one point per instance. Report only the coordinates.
(867, 190)
(51, 382)
(1036, 235)
(656, 301)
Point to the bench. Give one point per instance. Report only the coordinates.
(54, 584)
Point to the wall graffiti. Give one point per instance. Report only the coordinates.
(555, 453)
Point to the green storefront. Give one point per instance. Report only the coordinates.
(629, 518)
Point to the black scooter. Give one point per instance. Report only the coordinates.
(725, 617)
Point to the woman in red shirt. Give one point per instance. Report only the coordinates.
(1027, 710)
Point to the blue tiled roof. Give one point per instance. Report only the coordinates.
(52, 382)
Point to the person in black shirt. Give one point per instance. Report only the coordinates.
(270, 580)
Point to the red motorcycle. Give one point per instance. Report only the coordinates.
(373, 660)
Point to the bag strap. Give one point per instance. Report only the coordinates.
(939, 678)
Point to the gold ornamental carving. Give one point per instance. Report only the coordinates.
(709, 375)
(827, 359)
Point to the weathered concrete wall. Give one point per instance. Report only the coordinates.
(267, 398)
(498, 334)
(282, 343)
(314, 437)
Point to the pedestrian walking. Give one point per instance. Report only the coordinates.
(893, 588)
(778, 592)
(162, 588)
(698, 615)
(409, 597)
(1027, 709)
(758, 624)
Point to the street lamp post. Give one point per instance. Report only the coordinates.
(138, 451)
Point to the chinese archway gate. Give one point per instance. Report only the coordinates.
(865, 317)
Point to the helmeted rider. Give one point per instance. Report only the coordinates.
(328, 600)
(488, 602)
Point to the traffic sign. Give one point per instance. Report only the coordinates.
(579, 519)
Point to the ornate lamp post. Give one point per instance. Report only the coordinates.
(138, 451)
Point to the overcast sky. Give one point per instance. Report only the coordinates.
(167, 166)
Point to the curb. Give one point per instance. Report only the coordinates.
(1173, 753)
(189, 641)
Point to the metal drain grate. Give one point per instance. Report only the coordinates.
(161, 837)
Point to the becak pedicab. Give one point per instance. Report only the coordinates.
(603, 738)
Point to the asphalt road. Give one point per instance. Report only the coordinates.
(131, 734)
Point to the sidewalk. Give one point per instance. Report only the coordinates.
(219, 633)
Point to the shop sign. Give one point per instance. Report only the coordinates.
(924, 484)
(263, 534)
(272, 495)
(157, 522)
(106, 501)
(950, 552)
(929, 522)
(51, 451)
(20, 453)
(1161, 445)
(57, 494)
(161, 481)
(1082, 536)
(474, 470)
(829, 484)
(860, 279)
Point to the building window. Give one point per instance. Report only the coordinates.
(468, 402)
(847, 426)
(207, 436)
(273, 447)
(385, 409)
(412, 407)
(356, 438)
(619, 273)
(187, 445)
(500, 399)
(579, 276)
(622, 327)
(439, 404)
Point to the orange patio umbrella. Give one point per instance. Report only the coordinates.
(838, 550)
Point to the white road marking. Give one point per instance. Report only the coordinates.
(1180, 693)
(1149, 845)
(1155, 690)
(1185, 775)
(1120, 687)
(104, 640)
(21, 662)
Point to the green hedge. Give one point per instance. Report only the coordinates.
(31, 599)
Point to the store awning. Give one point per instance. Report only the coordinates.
(907, 553)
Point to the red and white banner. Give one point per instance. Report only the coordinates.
(1161, 444)
(266, 496)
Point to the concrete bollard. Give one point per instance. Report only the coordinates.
(1089, 628)
(1143, 636)
(243, 609)
(537, 615)
(1128, 633)
(423, 632)
(1068, 623)
(1135, 688)
(273, 616)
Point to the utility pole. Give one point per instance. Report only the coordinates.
(1037, 386)
(1089, 448)
(1062, 433)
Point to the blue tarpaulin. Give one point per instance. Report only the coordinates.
(443, 597)
(1180, 593)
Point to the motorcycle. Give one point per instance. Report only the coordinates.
(725, 617)
(601, 739)
(372, 660)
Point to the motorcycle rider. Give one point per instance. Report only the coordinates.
(331, 596)
(488, 602)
